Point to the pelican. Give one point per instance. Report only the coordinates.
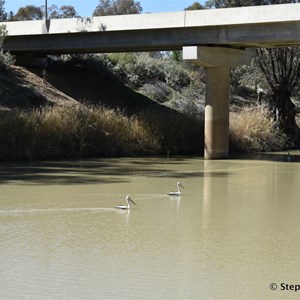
(178, 193)
(128, 200)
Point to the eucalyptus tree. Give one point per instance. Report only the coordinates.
(32, 12)
(195, 6)
(117, 7)
(2, 34)
(28, 12)
(65, 11)
(3, 14)
(241, 3)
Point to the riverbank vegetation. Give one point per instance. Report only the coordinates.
(104, 114)
(90, 131)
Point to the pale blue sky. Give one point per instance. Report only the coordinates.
(85, 8)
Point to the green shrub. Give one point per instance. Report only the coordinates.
(157, 91)
(137, 69)
(6, 58)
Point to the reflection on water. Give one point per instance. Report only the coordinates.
(232, 232)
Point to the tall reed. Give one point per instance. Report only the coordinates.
(67, 132)
(254, 130)
(82, 131)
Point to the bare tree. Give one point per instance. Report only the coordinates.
(281, 68)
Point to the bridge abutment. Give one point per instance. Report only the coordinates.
(218, 61)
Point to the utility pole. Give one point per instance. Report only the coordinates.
(46, 10)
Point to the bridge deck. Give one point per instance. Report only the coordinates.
(256, 26)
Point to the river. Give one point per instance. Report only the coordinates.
(233, 233)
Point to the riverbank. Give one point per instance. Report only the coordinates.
(73, 111)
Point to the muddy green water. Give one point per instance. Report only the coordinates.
(234, 231)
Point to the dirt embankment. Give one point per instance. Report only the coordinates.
(67, 85)
(23, 88)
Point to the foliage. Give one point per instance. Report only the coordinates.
(156, 90)
(117, 7)
(3, 14)
(65, 11)
(254, 130)
(3, 33)
(248, 76)
(195, 6)
(176, 55)
(5, 57)
(138, 69)
(240, 3)
(155, 76)
(29, 12)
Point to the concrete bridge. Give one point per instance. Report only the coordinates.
(215, 39)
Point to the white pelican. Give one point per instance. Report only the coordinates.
(128, 200)
(178, 193)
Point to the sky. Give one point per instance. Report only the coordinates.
(85, 8)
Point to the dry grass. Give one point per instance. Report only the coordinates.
(68, 132)
(89, 131)
(253, 130)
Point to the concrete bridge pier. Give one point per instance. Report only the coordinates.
(218, 61)
(216, 127)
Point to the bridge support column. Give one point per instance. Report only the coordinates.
(216, 127)
(218, 62)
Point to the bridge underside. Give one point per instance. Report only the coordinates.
(241, 36)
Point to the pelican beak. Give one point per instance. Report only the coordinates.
(132, 201)
(182, 186)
